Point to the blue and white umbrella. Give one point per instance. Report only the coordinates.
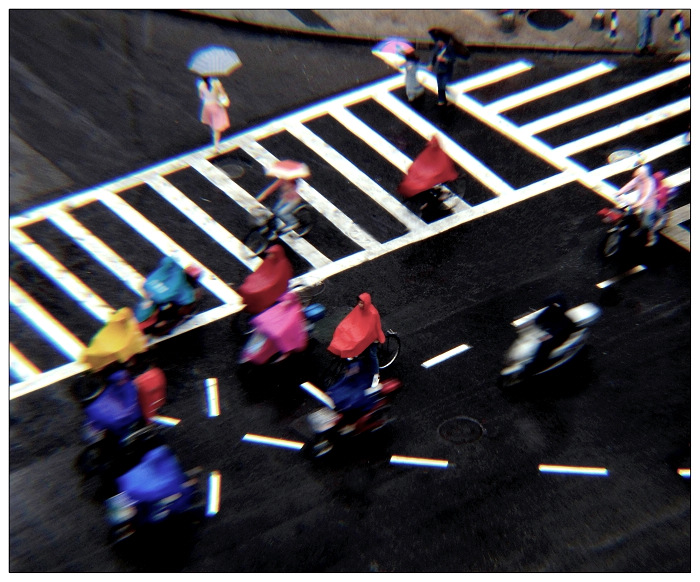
(214, 61)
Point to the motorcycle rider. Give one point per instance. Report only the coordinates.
(359, 333)
(642, 199)
(556, 325)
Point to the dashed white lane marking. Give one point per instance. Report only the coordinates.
(419, 461)
(604, 101)
(212, 388)
(214, 493)
(166, 420)
(355, 175)
(62, 277)
(44, 323)
(205, 222)
(274, 442)
(98, 250)
(460, 156)
(446, 356)
(601, 471)
(617, 278)
(20, 366)
(625, 128)
(544, 89)
(167, 246)
(339, 219)
(318, 394)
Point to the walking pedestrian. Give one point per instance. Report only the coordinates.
(414, 89)
(645, 31)
(442, 62)
(214, 103)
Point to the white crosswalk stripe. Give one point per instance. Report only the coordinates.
(61, 276)
(550, 87)
(99, 250)
(321, 267)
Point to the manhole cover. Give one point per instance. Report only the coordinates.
(618, 155)
(548, 19)
(233, 170)
(461, 430)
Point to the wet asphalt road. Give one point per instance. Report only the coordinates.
(625, 405)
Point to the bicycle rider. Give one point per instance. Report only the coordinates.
(287, 202)
(359, 335)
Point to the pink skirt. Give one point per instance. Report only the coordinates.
(215, 116)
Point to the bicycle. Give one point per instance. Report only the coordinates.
(269, 227)
(386, 354)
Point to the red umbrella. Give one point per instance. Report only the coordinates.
(288, 170)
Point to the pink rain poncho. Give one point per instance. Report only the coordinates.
(283, 324)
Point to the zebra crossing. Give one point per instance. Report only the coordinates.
(61, 213)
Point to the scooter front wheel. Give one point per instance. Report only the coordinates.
(389, 350)
(87, 387)
(305, 220)
(256, 242)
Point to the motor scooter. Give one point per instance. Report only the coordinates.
(625, 231)
(280, 330)
(521, 359)
(122, 407)
(171, 294)
(358, 408)
(150, 490)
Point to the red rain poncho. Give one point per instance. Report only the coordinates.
(267, 283)
(430, 168)
(358, 330)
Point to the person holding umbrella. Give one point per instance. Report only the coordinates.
(210, 63)
(288, 173)
(443, 60)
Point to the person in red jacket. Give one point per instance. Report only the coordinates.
(359, 333)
